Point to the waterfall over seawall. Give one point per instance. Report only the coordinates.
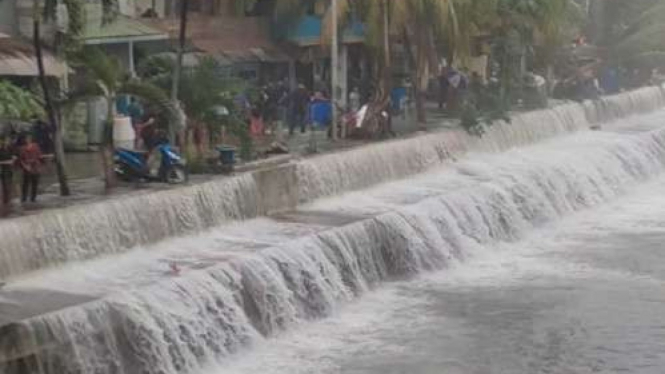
(117, 225)
(108, 227)
(335, 173)
(179, 325)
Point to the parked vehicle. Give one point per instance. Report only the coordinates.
(131, 165)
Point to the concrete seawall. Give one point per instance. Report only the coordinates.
(114, 226)
(242, 282)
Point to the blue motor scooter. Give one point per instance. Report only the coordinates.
(131, 165)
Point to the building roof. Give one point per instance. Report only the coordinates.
(17, 58)
(227, 38)
(122, 29)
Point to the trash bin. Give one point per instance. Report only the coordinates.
(397, 97)
(227, 155)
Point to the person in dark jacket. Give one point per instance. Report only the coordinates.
(43, 136)
(298, 103)
(443, 88)
(30, 160)
(7, 161)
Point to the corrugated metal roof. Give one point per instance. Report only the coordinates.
(121, 30)
(229, 39)
(18, 59)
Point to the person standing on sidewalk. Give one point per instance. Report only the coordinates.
(7, 160)
(298, 102)
(30, 160)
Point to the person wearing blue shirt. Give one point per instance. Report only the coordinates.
(320, 111)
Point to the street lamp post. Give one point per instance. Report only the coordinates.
(334, 64)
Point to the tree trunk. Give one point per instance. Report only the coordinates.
(550, 77)
(419, 61)
(334, 72)
(422, 75)
(177, 71)
(386, 45)
(376, 123)
(106, 150)
(48, 105)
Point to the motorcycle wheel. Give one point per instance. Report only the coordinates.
(124, 173)
(176, 174)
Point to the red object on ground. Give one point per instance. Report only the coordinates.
(175, 269)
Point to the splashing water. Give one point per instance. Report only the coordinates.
(179, 324)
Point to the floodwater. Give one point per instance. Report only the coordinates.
(585, 295)
(541, 259)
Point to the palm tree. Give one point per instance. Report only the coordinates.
(419, 24)
(177, 71)
(423, 23)
(45, 12)
(470, 19)
(520, 24)
(556, 22)
(106, 78)
(203, 93)
(639, 40)
(48, 100)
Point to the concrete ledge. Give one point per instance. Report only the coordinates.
(119, 224)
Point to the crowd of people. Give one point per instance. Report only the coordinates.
(298, 108)
(26, 152)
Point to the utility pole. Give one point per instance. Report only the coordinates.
(334, 65)
(177, 69)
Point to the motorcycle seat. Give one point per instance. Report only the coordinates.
(133, 151)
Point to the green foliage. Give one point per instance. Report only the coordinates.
(156, 69)
(17, 103)
(105, 77)
(482, 107)
(203, 93)
(105, 71)
(640, 41)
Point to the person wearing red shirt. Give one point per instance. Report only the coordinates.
(30, 160)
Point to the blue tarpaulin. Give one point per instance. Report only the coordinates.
(320, 113)
(307, 31)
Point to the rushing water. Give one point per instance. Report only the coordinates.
(259, 279)
(119, 225)
(584, 295)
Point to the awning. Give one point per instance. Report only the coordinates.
(17, 58)
(251, 55)
(189, 59)
(121, 29)
(308, 32)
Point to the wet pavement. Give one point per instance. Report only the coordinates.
(87, 186)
